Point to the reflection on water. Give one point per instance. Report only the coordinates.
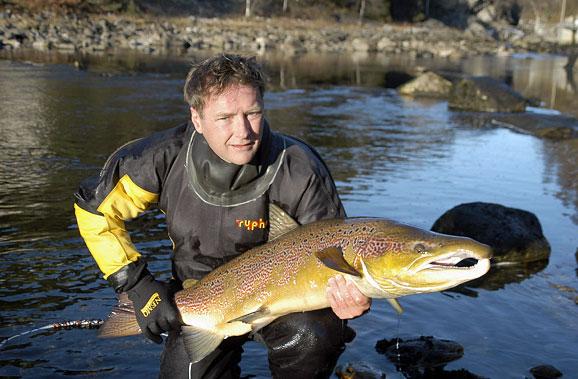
(562, 168)
(409, 160)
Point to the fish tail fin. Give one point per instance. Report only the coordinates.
(199, 342)
(122, 320)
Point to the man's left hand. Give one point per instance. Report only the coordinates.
(345, 298)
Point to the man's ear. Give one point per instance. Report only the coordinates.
(196, 120)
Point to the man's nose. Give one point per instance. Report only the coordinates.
(242, 127)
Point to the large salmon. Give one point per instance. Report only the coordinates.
(385, 259)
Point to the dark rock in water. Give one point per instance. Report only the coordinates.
(360, 370)
(428, 84)
(515, 235)
(424, 357)
(484, 94)
(540, 125)
(422, 352)
(545, 372)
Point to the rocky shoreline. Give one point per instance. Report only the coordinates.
(89, 33)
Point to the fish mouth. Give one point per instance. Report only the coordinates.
(464, 261)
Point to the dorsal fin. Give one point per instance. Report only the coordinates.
(279, 222)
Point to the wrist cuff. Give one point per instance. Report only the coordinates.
(126, 278)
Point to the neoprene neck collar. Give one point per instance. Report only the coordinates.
(226, 184)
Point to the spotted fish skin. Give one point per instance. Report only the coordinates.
(286, 275)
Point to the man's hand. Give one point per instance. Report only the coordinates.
(155, 307)
(345, 298)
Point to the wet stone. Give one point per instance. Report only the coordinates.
(360, 370)
(425, 352)
(485, 94)
(545, 372)
(555, 127)
(514, 235)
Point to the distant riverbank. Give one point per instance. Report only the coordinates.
(90, 33)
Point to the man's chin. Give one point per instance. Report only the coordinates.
(241, 158)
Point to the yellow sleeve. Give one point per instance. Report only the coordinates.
(106, 236)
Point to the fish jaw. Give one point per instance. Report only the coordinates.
(441, 262)
(460, 258)
(446, 268)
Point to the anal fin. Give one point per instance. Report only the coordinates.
(199, 342)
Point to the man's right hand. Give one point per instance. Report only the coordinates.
(155, 308)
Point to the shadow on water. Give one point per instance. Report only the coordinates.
(393, 157)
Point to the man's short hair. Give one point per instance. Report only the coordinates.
(214, 75)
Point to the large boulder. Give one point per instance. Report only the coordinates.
(428, 84)
(514, 235)
(484, 94)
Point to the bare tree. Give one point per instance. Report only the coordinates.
(361, 11)
(285, 5)
(247, 8)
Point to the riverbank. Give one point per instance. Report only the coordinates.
(90, 33)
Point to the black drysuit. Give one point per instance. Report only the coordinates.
(214, 212)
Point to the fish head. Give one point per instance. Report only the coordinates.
(401, 260)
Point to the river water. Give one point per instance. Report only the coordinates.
(394, 157)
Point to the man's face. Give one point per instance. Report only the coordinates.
(232, 123)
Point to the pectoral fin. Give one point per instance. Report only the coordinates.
(395, 304)
(332, 257)
(199, 342)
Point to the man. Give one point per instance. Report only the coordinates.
(212, 177)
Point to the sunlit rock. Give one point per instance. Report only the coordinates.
(360, 44)
(385, 44)
(484, 94)
(515, 235)
(428, 84)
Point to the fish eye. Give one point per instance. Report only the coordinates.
(419, 248)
